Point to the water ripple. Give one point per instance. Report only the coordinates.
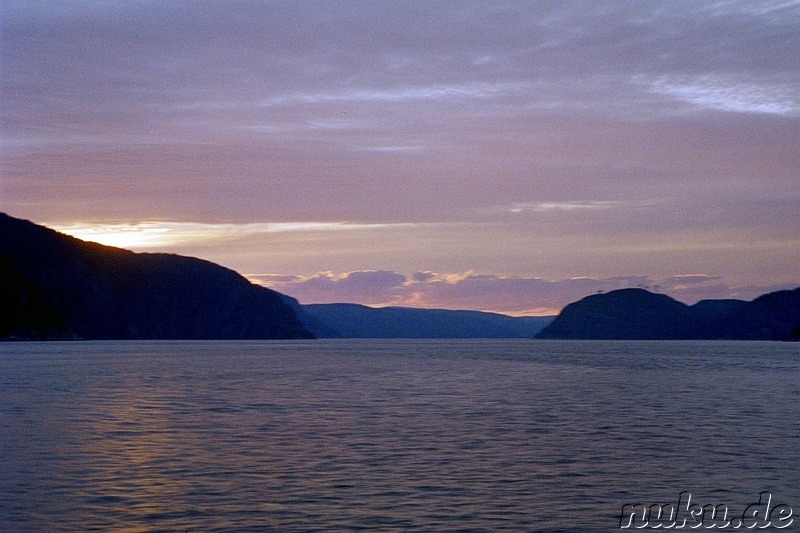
(389, 435)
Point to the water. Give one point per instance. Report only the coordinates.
(389, 435)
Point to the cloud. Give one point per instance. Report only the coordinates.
(489, 292)
(400, 94)
(391, 149)
(370, 287)
(721, 94)
(684, 280)
(539, 131)
(423, 276)
(540, 207)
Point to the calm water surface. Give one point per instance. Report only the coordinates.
(389, 435)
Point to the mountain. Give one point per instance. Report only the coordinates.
(359, 321)
(621, 314)
(773, 316)
(639, 314)
(56, 286)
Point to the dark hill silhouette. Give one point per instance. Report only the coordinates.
(622, 314)
(360, 321)
(773, 316)
(706, 315)
(56, 286)
(639, 314)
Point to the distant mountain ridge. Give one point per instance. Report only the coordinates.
(640, 314)
(55, 286)
(359, 321)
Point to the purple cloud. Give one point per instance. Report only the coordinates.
(372, 287)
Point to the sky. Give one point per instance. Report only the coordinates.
(501, 156)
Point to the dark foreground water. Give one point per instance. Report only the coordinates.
(389, 435)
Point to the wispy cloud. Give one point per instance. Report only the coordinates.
(341, 124)
(400, 94)
(391, 149)
(722, 94)
(541, 207)
(575, 206)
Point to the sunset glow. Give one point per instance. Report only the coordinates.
(151, 235)
(121, 236)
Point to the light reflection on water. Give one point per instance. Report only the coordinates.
(427, 435)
